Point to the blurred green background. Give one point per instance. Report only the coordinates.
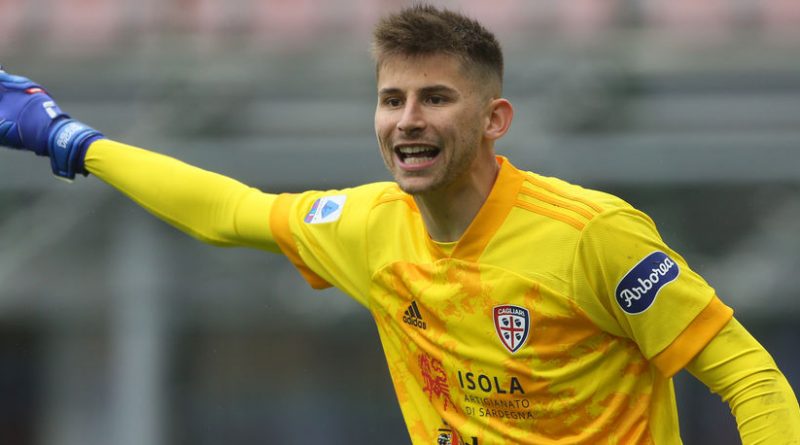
(117, 329)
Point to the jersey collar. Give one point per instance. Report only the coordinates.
(490, 217)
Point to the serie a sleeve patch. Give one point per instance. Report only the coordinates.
(325, 210)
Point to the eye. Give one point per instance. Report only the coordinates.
(436, 100)
(392, 102)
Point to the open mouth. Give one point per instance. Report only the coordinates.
(416, 154)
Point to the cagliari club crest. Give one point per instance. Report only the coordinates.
(512, 324)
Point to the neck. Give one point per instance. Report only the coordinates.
(448, 212)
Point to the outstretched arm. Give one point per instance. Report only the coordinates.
(210, 207)
(737, 368)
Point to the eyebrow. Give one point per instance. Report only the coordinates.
(433, 89)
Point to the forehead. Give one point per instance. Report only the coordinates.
(411, 72)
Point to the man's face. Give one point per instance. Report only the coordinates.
(429, 121)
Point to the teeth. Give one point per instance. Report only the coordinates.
(417, 159)
(410, 150)
(416, 154)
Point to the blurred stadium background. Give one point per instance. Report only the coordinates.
(116, 329)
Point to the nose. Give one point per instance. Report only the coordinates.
(412, 119)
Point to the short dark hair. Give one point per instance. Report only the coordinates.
(423, 30)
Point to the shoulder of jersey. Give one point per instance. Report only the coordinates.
(367, 197)
(564, 202)
(390, 193)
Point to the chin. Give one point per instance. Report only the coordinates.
(417, 186)
(411, 189)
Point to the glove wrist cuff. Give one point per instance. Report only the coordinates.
(67, 145)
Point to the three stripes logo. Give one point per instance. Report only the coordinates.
(413, 317)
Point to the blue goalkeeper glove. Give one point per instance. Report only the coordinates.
(31, 120)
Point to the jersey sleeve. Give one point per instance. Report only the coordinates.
(633, 285)
(208, 206)
(323, 233)
(737, 368)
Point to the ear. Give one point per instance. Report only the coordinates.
(501, 112)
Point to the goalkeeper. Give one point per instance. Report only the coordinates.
(513, 308)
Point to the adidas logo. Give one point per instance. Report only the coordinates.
(413, 317)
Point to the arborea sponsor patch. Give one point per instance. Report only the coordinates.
(638, 289)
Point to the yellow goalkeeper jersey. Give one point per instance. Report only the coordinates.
(559, 317)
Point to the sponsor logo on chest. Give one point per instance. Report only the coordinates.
(489, 384)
